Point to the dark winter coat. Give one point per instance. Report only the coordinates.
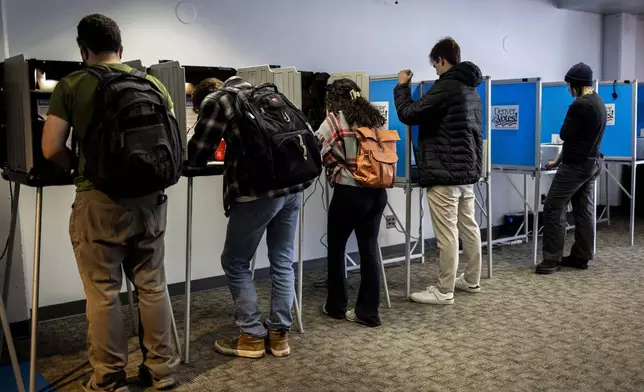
(450, 144)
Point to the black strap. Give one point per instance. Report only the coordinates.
(101, 72)
(138, 73)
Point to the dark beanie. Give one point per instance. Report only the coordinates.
(579, 75)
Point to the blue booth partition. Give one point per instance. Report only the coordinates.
(381, 94)
(556, 100)
(516, 123)
(620, 98)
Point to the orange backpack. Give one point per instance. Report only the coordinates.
(377, 158)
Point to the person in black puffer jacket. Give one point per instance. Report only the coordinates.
(449, 162)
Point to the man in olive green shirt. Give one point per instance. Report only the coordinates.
(109, 234)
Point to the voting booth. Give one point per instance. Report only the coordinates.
(29, 84)
(516, 143)
(622, 140)
(180, 81)
(26, 94)
(381, 95)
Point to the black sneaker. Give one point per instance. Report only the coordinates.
(548, 267)
(573, 262)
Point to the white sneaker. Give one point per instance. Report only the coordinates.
(462, 284)
(433, 296)
(350, 315)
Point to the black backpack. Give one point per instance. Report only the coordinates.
(133, 145)
(278, 147)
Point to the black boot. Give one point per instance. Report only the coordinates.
(548, 267)
(573, 262)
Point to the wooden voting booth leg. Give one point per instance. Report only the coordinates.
(35, 292)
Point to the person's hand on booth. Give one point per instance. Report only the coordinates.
(552, 165)
(404, 76)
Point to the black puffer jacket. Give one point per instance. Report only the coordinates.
(450, 147)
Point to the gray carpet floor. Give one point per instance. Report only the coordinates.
(572, 331)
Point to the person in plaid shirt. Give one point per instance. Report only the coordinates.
(250, 215)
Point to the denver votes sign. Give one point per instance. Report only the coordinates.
(505, 117)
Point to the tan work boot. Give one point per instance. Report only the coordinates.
(244, 346)
(278, 343)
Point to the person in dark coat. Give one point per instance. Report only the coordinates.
(450, 162)
(578, 166)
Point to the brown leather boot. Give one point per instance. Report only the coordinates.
(244, 346)
(278, 343)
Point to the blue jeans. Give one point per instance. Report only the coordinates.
(247, 224)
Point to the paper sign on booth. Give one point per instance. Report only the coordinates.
(610, 114)
(505, 117)
(383, 107)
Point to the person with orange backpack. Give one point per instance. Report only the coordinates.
(360, 160)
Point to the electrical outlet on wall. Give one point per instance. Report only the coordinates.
(390, 221)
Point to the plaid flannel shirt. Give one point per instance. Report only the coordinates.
(216, 121)
(339, 149)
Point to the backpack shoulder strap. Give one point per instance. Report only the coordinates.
(138, 74)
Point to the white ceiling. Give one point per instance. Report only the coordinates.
(604, 6)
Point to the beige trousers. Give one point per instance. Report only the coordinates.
(109, 236)
(452, 211)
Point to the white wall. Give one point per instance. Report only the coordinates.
(639, 53)
(334, 35)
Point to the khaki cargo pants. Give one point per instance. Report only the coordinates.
(453, 216)
(109, 236)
